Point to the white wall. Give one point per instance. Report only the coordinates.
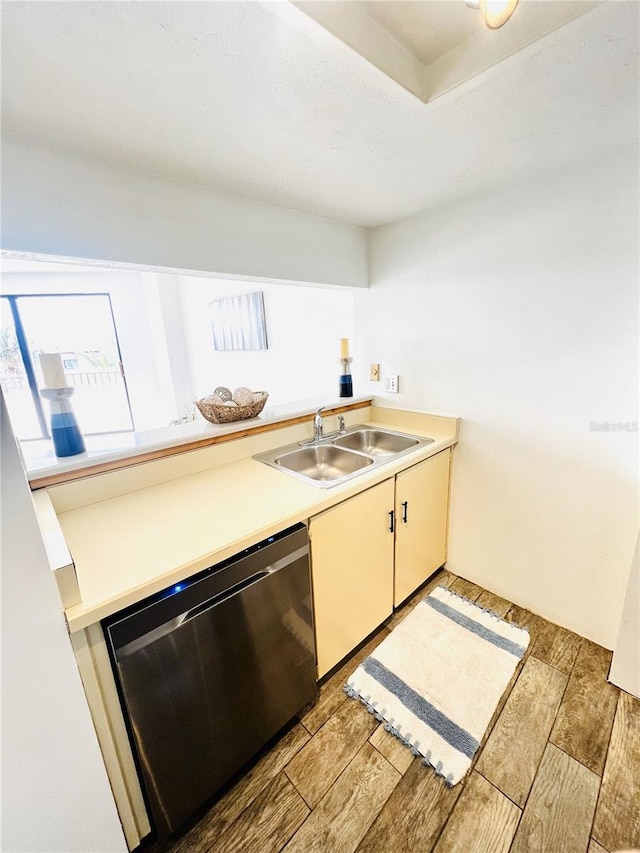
(55, 792)
(304, 327)
(519, 312)
(63, 205)
(176, 338)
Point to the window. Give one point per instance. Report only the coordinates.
(81, 328)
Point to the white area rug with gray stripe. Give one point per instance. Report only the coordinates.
(438, 677)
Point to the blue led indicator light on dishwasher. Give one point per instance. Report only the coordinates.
(177, 587)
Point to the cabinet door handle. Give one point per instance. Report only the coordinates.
(392, 516)
(405, 511)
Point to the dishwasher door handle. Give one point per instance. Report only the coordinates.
(226, 594)
(221, 597)
(243, 584)
(162, 630)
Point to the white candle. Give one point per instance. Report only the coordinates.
(344, 347)
(52, 370)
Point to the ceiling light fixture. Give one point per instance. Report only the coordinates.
(495, 13)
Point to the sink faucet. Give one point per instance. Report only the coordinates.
(318, 429)
(318, 425)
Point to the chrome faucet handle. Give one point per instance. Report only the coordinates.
(317, 429)
(317, 424)
(341, 427)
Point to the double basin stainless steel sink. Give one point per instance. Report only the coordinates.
(338, 458)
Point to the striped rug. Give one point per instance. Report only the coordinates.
(438, 677)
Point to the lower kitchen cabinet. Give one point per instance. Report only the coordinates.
(351, 560)
(372, 551)
(422, 501)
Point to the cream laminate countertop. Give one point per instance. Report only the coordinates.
(133, 545)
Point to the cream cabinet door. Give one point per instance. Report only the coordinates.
(352, 571)
(422, 500)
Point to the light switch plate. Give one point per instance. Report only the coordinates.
(392, 383)
(374, 372)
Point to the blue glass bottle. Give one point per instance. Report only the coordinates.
(65, 432)
(345, 382)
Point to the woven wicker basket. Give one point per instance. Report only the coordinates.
(217, 414)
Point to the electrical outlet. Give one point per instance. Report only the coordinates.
(392, 383)
(374, 372)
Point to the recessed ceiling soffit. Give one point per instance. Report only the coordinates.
(433, 47)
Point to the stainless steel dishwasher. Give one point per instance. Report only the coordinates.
(211, 668)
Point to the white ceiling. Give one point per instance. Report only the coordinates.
(256, 98)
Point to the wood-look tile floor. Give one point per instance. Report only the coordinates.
(558, 770)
